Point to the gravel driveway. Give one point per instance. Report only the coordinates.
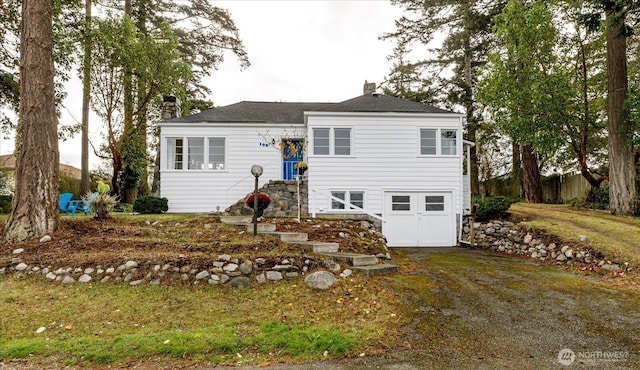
(473, 309)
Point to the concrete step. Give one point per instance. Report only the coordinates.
(262, 228)
(379, 269)
(354, 259)
(236, 220)
(288, 237)
(321, 247)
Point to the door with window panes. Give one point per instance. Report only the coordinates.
(420, 219)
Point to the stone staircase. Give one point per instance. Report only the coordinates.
(366, 264)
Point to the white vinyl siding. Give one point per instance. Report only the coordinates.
(231, 151)
(388, 158)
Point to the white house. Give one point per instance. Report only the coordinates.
(396, 160)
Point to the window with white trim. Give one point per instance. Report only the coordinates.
(196, 153)
(216, 153)
(332, 141)
(401, 203)
(448, 142)
(430, 145)
(175, 153)
(428, 141)
(352, 198)
(433, 203)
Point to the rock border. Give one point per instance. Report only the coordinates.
(508, 238)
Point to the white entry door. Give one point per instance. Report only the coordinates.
(419, 219)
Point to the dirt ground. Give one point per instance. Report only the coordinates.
(83, 242)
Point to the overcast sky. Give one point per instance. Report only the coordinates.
(313, 51)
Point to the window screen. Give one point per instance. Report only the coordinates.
(174, 153)
(401, 203)
(196, 153)
(434, 203)
(336, 204)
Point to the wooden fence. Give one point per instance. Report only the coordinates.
(555, 189)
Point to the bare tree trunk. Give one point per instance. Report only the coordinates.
(516, 169)
(86, 93)
(622, 173)
(35, 204)
(531, 175)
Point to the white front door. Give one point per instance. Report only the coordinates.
(419, 219)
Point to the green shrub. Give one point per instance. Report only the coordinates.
(492, 207)
(151, 205)
(598, 198)
(5, 203)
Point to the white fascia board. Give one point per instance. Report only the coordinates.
(228, 124)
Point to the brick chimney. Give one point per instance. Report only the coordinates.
(369, 88)
(171, 107)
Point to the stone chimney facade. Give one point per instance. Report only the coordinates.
(369, 88)
(171, 107)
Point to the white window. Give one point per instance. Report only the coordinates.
(430, 145)
(448, 142)
(434, 203)
(401, 203)
(353, 198)
(342, 141)
(321, 141)
(196, 153)
(174, 153)
(332, 141)
(428, 141)
(195, 150)
(216, 153)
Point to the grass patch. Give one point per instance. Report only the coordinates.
(113, 324)
(617, 237)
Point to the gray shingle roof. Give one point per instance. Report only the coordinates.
(250, 111)
(279, 112)
(381, 103)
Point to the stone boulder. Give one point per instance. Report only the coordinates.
(320, 280)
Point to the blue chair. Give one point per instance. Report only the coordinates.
(67, 205)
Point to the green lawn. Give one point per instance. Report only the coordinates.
(113, 324)
(618, 237)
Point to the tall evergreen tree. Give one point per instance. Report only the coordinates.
(622, 151)
(35, 206)
(466, 28)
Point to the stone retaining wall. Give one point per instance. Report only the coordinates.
(284, 200)
(239, 273)
(505, 237)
